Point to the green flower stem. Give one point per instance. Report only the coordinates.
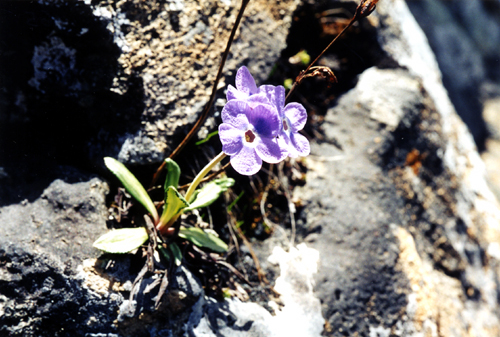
(197, 180)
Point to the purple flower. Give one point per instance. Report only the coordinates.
(248, 133)
(293, 117)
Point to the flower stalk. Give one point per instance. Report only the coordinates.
(197, 180)
(189, 193)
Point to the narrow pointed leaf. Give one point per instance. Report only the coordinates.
(132, 185)
(176, 252)
(174, 203)
(173, 174)
(210, 192)
(203, 239)
(122, 240)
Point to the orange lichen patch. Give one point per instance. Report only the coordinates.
(98, 281)
(414, 160)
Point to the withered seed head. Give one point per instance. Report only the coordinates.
(365, 8)
(323, 72)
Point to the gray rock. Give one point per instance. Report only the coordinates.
(185, 281)
(402, 228)
(300, 313)
(63, 223)
(462, 35)
(231, 318)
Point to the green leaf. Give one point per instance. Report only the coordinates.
(176, 252)
(132, 185)
(174, 203)
(235, 201)
(173, 174)
(207, 138)
(210, 192)
(122, 240)
(203, 239)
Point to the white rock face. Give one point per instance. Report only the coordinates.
(301, 315)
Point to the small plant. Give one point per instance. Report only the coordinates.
(127, 239)
(257, 126)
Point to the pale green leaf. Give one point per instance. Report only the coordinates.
(122, 240)
(176, 252)
(173, 174)
(174, 203)
(210, 192)
(131, 184)
(203, 239)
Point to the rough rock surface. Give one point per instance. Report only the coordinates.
(174, 49)
(116, 78)
(63, 223)
(41, 246)
(464, 36)
(399, 207)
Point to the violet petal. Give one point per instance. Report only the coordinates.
(245, 82)
(246, 162)
(270, 151)
(234, 113)
(233, 93)
(300, 145)
(275, 95)
(258, 98)
(265, 120)
(231, 139)
(297, 115)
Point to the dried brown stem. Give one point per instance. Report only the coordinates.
(365, 8)
(260, 273)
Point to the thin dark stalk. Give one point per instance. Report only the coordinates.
(300, 77)
(208, 107)
(365, 8)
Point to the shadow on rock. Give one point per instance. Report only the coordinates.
(58, 61)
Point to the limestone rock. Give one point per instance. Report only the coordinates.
(404, 213)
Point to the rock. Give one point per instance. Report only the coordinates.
(133, 76)
(457, 32)
(230, 318)
(63, 223)
(39, 298)
(405, 213)
(300, 314)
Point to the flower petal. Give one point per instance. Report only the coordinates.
(245, 81)
(234, 113)
(258, 98)
(276, 95)
(231, 139)
(300, 144)
(297, 115)
(270, 151)
(233, 93)
(265, 120)
(246, 162)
